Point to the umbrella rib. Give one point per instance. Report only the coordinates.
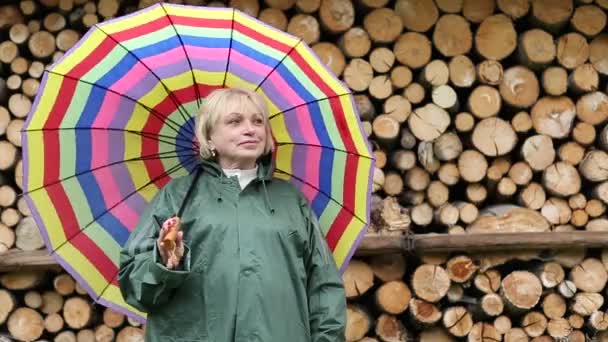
(168, 172)
(159, 156)
(155, 113)
(229, 49)
(306, 104)
(107, 285)
(196, 92)
(171, 96)
(276, 66)
(144, 134)
(324, 147)
(322, 192)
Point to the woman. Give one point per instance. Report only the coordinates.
(250, 262)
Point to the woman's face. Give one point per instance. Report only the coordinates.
(239, 138)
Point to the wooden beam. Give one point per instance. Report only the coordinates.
(371, 244)
(482, 242)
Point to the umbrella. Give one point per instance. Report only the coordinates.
(113, 122)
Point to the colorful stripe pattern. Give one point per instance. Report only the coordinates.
(113, 123)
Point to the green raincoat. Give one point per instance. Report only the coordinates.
(256, 266)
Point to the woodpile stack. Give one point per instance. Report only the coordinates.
(484, 116)
(37, 305)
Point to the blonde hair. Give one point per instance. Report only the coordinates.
(217, 104)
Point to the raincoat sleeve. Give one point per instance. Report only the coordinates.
(145, 282)
(326, 296)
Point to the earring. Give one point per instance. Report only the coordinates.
(213, 153)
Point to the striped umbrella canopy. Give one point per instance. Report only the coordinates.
(113, 122)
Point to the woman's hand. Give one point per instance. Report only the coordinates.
(171, 252)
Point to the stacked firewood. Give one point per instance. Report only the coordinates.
(484, 116)
(39, 305)
(440, 297)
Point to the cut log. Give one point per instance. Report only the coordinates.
(552, 14)
(401, 76)
(21, 280)
(19, 105)
(128, 334)
(600, 191)
(595, 208)
(484, 101)
(458, 321)
(308, 6)
(520, 173)
(7, 238)
(476, 193)
(383, 25)
(10, 217)
(598, 321)
(521, 290)
(494, 137)
(534, 323)
(417, 15)
(417, 179)
(53, 323)
(389, 328)
(551, 274)
(586, 303)
(490, 72)
(561, 179)
(462, 71)
(428, 122)
(559, 328)
(555, 80)
(571, 152)
(355, 42)
(452, 35)
(445, 97)
(25, 324)
(461, 268)
(536, 48)
(32, 299)
(430, 282)
(28, 236)
(464, 122)
(393, 297)
(572, 50)
(104, 333)
(397, 107)
(434, 74)
(331, 56)
(358, 278)
(388, 267)
(477, 10)
(488, 281)
(413, 50)
(422, 214)
(589, 20)
(424, 313)
(472, 166)
(554, 306)
(556, 211)
(414, 93)
(77, 312)
(553, 116)
(66, 39)
(274, 17)
(449, 174)
(496, 37)
(515, 335)
(380, 87)
(337, 16)
(584, 133)
(592, 108)
(482, 332)
(386, 130)
(449, 6)
(593, 168)
(42, 45)
(8, 303)
(521, 122)
(358, 322)
(437, 194)
(515, 9)
(590, 275)
(520, 87)
(583, 79)
(576, 321)
(358, 74)
(305, 26)
(598, 53)
(382, 59)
